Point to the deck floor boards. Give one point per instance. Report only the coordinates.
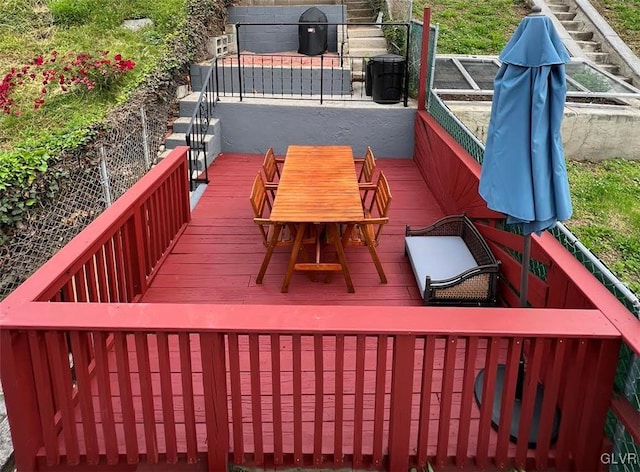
(217, 258)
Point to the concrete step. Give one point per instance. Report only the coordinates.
(589, 46)
(364, 9)
(558, 8)
(367, 43)
(357, 53)
(358, 19)
(188, 103)
(359, 4)
(181, 124)
(581, 35)
(212, 142)
(361, 13)
(565, 16)
(613, 70)
(365, 31)
(174, 140)
(598, 57)
(572, 25)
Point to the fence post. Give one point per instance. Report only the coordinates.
(239, 61)
(20, 398)
(104, 177)
(424, 60)
(145, 139)
(401, 391)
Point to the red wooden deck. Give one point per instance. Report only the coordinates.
(217, 258)
(275, 379)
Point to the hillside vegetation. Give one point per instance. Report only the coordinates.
(65, 64)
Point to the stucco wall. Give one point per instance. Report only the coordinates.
(277, 37)
(251, 127)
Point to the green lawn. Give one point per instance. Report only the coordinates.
(465, 27)
(624, 17)
(32, 28)
(606, 219)
(41, 43)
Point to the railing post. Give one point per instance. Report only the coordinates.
(406, 66)
(239, 61)
(321, 76)
(216, 80)
(104, 174)
(138, 250)
(401, 392)
(20, 398)
(212, 349)
(145, 139)
(424, 60)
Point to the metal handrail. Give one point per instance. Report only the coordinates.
(198, 127)
(407, 25)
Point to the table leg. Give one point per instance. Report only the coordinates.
(337, 242)
(374, 255)
(295, 250)
(270, 247)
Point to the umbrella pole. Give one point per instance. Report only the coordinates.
(524, 276)
(524, 288)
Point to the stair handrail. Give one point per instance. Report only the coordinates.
(196, 134)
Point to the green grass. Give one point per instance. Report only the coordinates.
(29, 28)
(481, 27)
(624, 17)
(606, 216)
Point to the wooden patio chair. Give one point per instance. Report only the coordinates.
(368, 166)
(271, 172)
(367, 232)
(261, 205)
(365, 177)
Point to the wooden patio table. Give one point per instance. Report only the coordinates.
(318, 186)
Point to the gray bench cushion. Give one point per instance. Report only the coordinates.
(440, 257)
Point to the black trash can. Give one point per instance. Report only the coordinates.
(387, 78)
(312, 37)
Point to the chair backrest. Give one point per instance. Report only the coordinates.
(381, 200)
(261, 205)
(258, 198)
(368, 167)
(380, 203)
(270, 166)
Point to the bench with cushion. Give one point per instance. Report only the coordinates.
(452, 263)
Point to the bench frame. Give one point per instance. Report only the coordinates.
(462, 289)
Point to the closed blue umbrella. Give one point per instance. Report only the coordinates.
(523, 172)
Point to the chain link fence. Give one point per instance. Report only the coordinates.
(124, 154)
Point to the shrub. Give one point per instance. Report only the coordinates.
(73, 71)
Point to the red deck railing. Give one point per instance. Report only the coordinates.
(453, 177)
(373, 387)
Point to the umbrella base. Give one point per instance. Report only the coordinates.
(517, 407)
